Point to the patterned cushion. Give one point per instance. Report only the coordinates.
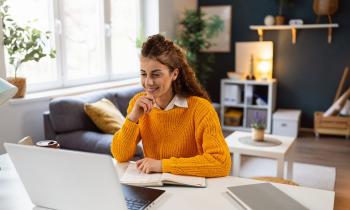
(105, 115)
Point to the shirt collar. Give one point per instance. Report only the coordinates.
(178, 101)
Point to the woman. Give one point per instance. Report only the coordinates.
(179, 128)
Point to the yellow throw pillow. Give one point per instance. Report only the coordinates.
(105, 115)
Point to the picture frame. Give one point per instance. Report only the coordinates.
(222, 42)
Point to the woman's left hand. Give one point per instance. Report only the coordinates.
(148, 165)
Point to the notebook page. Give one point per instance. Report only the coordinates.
(134, 176)
(183, 180)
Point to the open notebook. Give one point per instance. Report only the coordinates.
(263, 196)
(134, 177)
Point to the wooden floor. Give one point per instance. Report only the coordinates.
(327, 151)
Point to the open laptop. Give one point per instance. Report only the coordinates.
(64, 179)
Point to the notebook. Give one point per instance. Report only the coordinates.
(133, 176)
(263, 196)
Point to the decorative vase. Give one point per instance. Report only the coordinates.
(258, 134)
(325, 7)
(279, 20)
(20, 83)
(269, 20)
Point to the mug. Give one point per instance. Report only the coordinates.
(48, 143)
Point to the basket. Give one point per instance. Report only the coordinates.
(333, 125)
(233, 118)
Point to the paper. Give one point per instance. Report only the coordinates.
(134, 177)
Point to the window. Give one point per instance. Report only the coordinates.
(83, 40)
(125, 55)
(40, 15)
(94, 41)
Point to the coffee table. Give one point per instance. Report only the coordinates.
(278, 152)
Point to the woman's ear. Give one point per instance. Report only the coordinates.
(175, 74)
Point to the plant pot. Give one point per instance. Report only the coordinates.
(279, 20)
(258, 134)
(20, 83)
(325, 7)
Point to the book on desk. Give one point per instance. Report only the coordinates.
(263, 196)
(133, 176)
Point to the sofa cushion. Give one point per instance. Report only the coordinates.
(105, 115)
(67, 113)
(123, 95)
(90, 141)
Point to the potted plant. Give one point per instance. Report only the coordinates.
(325, 7)
(280, 19)
(23, 44)
(194, 37)
(258, 127)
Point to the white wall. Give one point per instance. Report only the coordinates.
(20, 120)
(25, 119)
(170, 12)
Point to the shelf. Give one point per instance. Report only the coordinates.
(236, 128)
(260, 29)
(234, 105)
(249, 82)
(245, 97)
(258, 106)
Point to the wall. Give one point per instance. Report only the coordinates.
(20, 120)
(308, 72)
(171, 11)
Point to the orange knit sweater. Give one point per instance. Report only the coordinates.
(189, 141)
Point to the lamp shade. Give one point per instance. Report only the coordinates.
(7, 91)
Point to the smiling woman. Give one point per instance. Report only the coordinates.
(179, 127)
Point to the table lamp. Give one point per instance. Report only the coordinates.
(7, 91)
(264, 68)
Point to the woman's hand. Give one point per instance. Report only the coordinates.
(143, 104)
(148, 165)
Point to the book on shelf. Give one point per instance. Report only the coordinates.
(263, 196)
(133, 176)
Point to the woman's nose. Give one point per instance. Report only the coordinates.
(149, 81)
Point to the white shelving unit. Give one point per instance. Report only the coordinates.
(260, 29)
(266, 89)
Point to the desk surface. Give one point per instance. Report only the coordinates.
(14, 197)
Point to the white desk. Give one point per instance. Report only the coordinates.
(14, 197)
(275, 152)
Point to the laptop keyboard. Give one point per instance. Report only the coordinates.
(134, 204)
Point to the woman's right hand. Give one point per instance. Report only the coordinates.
(143, 104)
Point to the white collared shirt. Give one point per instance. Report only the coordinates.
(178, 101)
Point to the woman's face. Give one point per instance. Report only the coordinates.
(156, 78)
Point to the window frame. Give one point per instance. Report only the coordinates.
(60, 61)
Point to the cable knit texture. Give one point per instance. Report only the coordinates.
(189, 141)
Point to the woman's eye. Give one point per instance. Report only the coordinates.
(143, 75)
(156, 75)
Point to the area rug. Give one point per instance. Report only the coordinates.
(307, 175)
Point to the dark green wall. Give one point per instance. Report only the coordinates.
(308, 72)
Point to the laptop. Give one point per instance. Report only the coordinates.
(71, 180)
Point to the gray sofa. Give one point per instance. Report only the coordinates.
(67, 123)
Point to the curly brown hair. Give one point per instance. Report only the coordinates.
(168, 53)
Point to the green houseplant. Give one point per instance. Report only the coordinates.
(194, 37)
(23, 44)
